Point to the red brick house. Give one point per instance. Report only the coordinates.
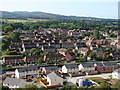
(53, 56)
(11, 60)
(106, 67)
(69, 55)
(31, 59)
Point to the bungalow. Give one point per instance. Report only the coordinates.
(116, 74)
(54, 78)
(28, 71)
(14, 83)
(10, 60)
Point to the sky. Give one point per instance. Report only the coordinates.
(86, 8)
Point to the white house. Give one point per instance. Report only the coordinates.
(23, 72)
(14, 83)
(116, 74)
(86, 67)
(54, 78)
(70, 68)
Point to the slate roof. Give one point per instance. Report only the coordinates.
(110, 64)
(71, 66)
(54, 55)
(48, 47)
(53, 75)
(14, 81)
(107, 64)
(33, 56)
(88, 65)
(13, 57)
(27, 69)
(52, 68)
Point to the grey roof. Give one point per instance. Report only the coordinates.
(71, 66)
(88, 65)
(110, 64)
(14, 81)
(53, 75)
(33, 56)
(27, 69)
(13, 57)
(54, 55)
(107, 64)
(52, 68)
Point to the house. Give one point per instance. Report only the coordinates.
(116, 55)
(93, 47)
(74, 33)
(47, 70)
(101, 54)
(84, 51)
(70, 68)
(14, 83)
(41, 44)
(62, 51)
(86, 67)
(116, 74)
(48, 49)
(53, 56)
(27, 48)
(67, 45)
(56, 45)
(25, 72)
(79, 45)
(54, 78)
(31, 58)
(69, 55)
(106, 67)
(11, 60)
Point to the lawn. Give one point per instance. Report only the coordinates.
(112, 38)
(96, 79)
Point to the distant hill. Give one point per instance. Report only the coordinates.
(43, 15)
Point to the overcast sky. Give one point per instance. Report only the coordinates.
(93, 8)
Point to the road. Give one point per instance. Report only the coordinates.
(74, 79)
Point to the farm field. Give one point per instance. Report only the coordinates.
(20, 20)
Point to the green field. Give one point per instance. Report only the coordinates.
(111, 38)
(19, 20)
